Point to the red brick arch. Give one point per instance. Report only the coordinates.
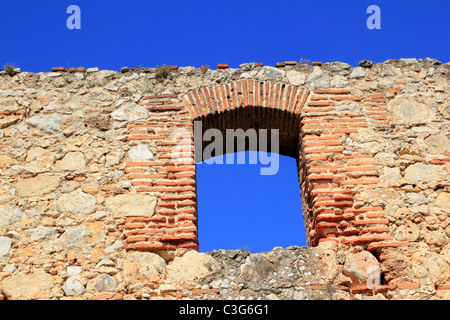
(314, 125)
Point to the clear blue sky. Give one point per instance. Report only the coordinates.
(147, 33)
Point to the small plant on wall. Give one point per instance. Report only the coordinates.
(10, 68)
(162, 72)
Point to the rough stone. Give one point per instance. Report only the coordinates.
(39, 158)
(443, 201)
(140, 152)
(31, 284)
(128, 112)
(132, 205)
(5, 245)
(360, 266)
(318, 79)
(357, 72)
(100, 122)
(6, 162)
(72, 161)
(77, 203)
(38, 186)
(73, 287)
(256, 268)
(429, 267)
(143, 267)
(407, 110)
(340, 68)
(268, 73)
(46, 123)
(191, 266)
(75, 237)
(103, 283)
(295, 78)
(40, 233)
(437, 144)
(423, 173)
(9, 215)
(409, 232)
(366, 64)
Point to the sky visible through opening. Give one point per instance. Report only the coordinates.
(238, 208)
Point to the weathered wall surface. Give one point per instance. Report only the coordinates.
(93, 204)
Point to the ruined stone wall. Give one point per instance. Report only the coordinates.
(93, 203)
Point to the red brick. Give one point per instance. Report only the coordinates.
(331, 91)
(177, 238)
(401, 286)
(375, 246)
(58, 69)
(147, 247)
(350, 98)
(162, 96)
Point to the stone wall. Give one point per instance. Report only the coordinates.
(94, 204)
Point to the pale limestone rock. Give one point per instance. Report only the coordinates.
(5, 245)
(9, 215)
(296, 78)
(407, 110)
(77, 203)
(443, 201)
(360, 267)
(423, 173)
(256, 268)
(31, 284)
(73, 287)
(268, 72)
(102, 283)
(39, 158)
(72, 161)
(429, 267)
(6, 162)
(143, 267)
(140, 152)
(191, 266)
(130, 205)
(338, 81)
(392, 176)
(40, 233)
(317, 79)
(84, 236)
(437, 144)
(357, 72)
(128, 112)
(46, 123)
(408, 232)
(37, 186)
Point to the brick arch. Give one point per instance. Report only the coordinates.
(245, 93)
(330, 176)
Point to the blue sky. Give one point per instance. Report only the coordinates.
(146, 33)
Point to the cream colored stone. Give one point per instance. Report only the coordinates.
(21, 284)
(407, 110)
(37, 186)
(72, 161)
(362, 268)
(143, 267)
(429, 267)
(6, 162)
(191, 266)
(443, 201)
(132, 205)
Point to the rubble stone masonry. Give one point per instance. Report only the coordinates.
(98, 202)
